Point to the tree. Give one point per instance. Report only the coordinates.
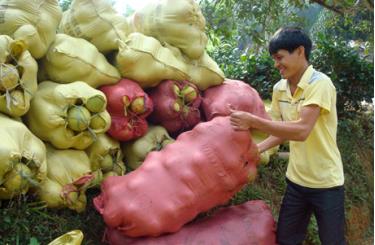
(249, 23)
(353, 27)
(345, 6)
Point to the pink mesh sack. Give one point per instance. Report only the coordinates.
(245, 224)
(203, 168)
(234, 94)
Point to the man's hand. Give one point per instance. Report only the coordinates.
(241, 120)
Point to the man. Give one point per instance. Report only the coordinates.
(304, 104)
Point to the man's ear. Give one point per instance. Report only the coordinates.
(301, 51)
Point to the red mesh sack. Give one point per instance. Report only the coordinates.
(232, 94)
(245, 224)
(194, 174)
(128, 106)
(176, 106)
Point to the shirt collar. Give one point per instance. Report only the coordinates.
(304, 81)
(283, 85)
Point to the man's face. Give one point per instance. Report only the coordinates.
(287, 63)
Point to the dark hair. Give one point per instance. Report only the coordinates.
(290, 38)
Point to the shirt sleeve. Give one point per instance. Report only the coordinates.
(321, 93)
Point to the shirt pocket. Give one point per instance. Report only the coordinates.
(294, 113)
(288, 111)
(299, 105)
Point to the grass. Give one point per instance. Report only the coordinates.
(27, 222)
(24, 221)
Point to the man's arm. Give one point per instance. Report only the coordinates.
(297, 130)
(268, 143)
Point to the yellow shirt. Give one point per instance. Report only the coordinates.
(315, 162)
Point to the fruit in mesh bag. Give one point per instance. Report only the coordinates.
(8, 77)
(78, 118)
(18, 179)
(176, 105)
(128, 106)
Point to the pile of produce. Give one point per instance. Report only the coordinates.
(132, 105)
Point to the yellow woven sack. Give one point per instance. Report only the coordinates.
(146, 61)
(96, 21)
(18, 77)
(204, 72)
(33, 21)
(22, 158)
(68, 177)
(71, 59)
(106, 156)
(177, 22)
(74, 237)
(68, 115)
(136, 151)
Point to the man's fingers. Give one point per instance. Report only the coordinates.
(234, 114)
(231, 108)
(238, 128)
(235, 120)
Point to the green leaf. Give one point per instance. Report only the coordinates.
(34, 241)
(7, 219)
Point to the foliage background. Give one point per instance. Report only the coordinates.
(238, 34)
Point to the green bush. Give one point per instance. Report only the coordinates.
(254, 69)
(352, 75)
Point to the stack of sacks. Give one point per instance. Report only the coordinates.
(102, 79)
(34, 22)
(172, 183)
